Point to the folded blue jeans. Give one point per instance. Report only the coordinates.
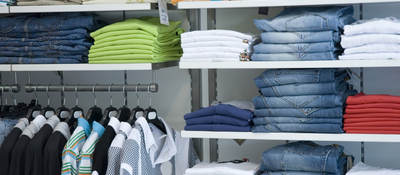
(275, 77)
(336, 112)
(217, 127)
(6, 125)
(45, 54)
(217, 119)
(22, 60)
(221, 109)
(308, 19)
(304, 48)
(45, 22)
(305, 101)
(50, 42)
(296, 120)
(71, 49)
(328, 55)
(304, 156)
(298, 127)
(305, 89)
(299, 173)
(299, 37)
(76, 33)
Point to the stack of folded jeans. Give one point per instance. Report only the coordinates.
(137, 41)
(304, 158)
(216, 46)
(221, 117)
(374, 39)
(372, 114)
(302, 33)
(301, 100)
(45, 38)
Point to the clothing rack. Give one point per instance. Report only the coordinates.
(152, 87)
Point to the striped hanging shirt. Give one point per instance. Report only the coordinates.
(86, 154)
(73, 147)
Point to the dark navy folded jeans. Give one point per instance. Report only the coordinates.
(217, 119)
(221, 109)
(217, 127)
(304, 156)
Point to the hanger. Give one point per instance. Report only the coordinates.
(110, 111)
(124, 113)
(137, 111)
(95, 112)
(48, 111)
(35, 110)
(63, 112)
(152, 117)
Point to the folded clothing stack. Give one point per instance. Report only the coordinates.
(301, 100)
(46, 38)
(372, 114)
(373, 39)
(220, 117)
(229, 168)
(44, 2)
(364, 169)
(302, 33)
(304, 158)
(4, 3)
(216, 46)
(142, 40)
(112, 1)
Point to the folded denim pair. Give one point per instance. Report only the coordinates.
(303, 158)
(299, 127)
(335, 112)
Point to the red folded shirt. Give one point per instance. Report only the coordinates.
(358, 120)
(375, 105)
(371, 110)
(371, 132)
(374, 124)
(366, 99)
(371, 128)
(372, 115)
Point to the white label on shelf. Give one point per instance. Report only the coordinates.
(162, 9)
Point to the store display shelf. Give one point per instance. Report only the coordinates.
(4, 10)
(90, 67)
(290, 64)
(5, 67)
(80, 8)
(270, 3)
(293, 136)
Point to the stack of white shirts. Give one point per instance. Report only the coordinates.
(374, 39)
(216, 46)
(245, 168)
(363, 169)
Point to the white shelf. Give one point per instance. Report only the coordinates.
(270, 3)
(293, 136)
(289, 64)
(5, 67)
(4, 10)
(80, 8)
(90, 67)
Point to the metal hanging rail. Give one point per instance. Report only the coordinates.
(152, 87)
(9, 88)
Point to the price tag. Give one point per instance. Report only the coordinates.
(162, 9)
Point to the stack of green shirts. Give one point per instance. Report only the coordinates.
(142, 40)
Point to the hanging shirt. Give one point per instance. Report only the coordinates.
(73, 147)
(185, 158)
(100, 156)
(85, 156)
(136, 159)
(8, 144)
(35, 148)
(53, 149)
(114, 153)
(17, 164)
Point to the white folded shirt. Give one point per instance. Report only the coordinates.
(371, 56)
(363, 169)
(364, 39)
(228, 33)
(216, 44)
(193, 39)
(374, 48)
(210, 56)
(389, 25)
(245, 168)
(214, 49)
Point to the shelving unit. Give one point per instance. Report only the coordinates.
(91, 67)
(5, 67)
(293, 136)
(80, 8)
(290, 64)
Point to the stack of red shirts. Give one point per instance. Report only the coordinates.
(372, 114)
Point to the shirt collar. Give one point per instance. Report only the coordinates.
(114, 123)
(168, 149)
(63, 128)
(149, 141)
(85, 125)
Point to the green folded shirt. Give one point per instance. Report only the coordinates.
(131, 51)
(138, 57)
(137, 47)
(153, 43)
